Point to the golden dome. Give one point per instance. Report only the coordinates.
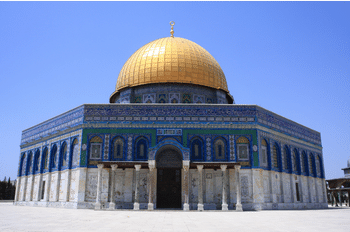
(171, 60)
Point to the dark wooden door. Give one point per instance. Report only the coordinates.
(169, 188)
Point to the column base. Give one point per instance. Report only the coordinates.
(239, 207)
(98, 205)
(111, 206)
(136, 206)
(186, 207)
(150, 206)
(224, 207)
(200, 207)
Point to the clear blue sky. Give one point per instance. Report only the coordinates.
(292, 58)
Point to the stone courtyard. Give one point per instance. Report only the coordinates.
(23, 218)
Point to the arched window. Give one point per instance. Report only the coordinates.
(118, 148)
(318, 166)
(23, 164)
(53, 156)
(36, 161)
(311, 166)
(263, 151)
(75, 153)
(95, 148)
(275, 155)
(303, 162)
(220, 149)
(45, 158)
(242, 144)
(29, 164)
(294, 161)
(141, 149)
(64, 155)
(196, 149)
(286, 161)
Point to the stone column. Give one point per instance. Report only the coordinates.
(151, 166)
(238, 186)
(137, 186)
(200, 206)
(99, 185)
(112, 199)
(224, 187)
(186, 170)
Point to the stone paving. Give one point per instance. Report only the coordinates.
(24, 218)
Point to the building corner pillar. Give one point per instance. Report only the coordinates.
(238, 189)
(151, 166)
(186, 170)
(112, 197)
(99, 185)
(200, 205)
(137, 185)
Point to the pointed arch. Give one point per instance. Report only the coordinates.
(141, 148)
(53, 157)
(197, 148)
(118, 148)
(276, 157)
(44, 160)
(220, 148)
(286, 159)
(29, 168)
(74, 160)
(63, 155)
(37, 161)
(242, 144)
(96, 148)
(263, 153)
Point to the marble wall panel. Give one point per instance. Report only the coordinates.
(36, 187)
(91, 185)
(119, 185)
(217, 199)
(232, 198)
(29, 188)
(143, 190)
(62, 187)
(209, 186)
(193, 186)
(52, 186)
(105, 185)
(72, 190)
(128, 185)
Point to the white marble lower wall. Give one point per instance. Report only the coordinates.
(260, 189)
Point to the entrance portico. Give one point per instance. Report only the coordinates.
(168, 183)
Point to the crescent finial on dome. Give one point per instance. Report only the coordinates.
(172, 23)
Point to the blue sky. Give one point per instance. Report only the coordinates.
(292, 58)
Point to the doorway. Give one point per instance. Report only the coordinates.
(169, 164)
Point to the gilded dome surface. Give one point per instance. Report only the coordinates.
(171, 60)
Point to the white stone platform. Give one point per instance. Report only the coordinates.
(24, 218)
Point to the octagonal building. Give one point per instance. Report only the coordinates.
(171, 137)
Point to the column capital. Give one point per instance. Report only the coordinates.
(138, 167)
(237, 167)
(200, 167)
(151, 164)
(114, 167)
(100, 166)
(223, 167)
(186, 164)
